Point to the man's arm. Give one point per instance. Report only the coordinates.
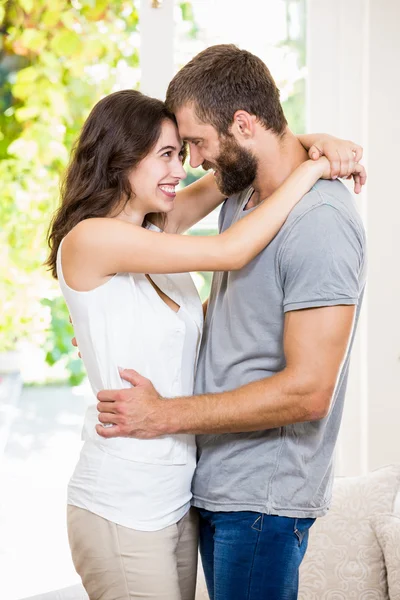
(320, 264)
(315, 344)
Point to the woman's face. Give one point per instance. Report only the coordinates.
(154, 179)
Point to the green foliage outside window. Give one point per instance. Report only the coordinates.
(57, 59)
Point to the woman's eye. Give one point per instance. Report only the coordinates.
(168, 153)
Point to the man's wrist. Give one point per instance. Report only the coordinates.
(169, 416)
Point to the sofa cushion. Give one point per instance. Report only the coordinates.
(344, 559)
(387, 530)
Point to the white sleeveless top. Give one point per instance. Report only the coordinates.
(142, 484)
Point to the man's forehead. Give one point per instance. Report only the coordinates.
(187, 113)
(189, 125)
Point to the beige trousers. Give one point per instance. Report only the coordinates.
(118, 563)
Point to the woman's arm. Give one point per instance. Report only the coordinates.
(108, 246)
(201, 197)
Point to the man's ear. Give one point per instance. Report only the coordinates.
(243, 125)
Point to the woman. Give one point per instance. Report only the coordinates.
(132, 302)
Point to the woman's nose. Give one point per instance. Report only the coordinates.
(179, 172)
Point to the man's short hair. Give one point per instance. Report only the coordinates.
(223, 79)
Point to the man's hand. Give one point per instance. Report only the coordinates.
(343, 156)
(134, 412)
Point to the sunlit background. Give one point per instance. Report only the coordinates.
(56, 64)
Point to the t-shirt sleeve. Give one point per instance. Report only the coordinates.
(320, 260)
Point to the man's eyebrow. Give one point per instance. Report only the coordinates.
(191, 139)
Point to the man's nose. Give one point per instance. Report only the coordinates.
(195, 158)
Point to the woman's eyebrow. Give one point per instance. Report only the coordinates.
(164, 148)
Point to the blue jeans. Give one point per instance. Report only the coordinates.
(252, 556)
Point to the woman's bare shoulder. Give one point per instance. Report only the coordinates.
(82, 252)
(92, 232)
(89, 227)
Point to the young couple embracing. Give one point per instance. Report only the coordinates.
(223, 432)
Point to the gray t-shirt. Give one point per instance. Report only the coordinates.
(316, 259)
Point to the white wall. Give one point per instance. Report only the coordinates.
(354, 91)
(156, 47)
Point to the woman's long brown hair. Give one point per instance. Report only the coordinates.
(119, 132)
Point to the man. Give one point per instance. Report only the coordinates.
(274, 359)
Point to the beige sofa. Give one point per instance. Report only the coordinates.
(353, 553)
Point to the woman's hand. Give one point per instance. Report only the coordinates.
(343, 155)
(358, 173)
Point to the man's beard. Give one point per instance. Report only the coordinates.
(236, 167)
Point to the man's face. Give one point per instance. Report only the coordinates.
(235, 167)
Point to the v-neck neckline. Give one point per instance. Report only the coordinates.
(247, 199)
(155, 288)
